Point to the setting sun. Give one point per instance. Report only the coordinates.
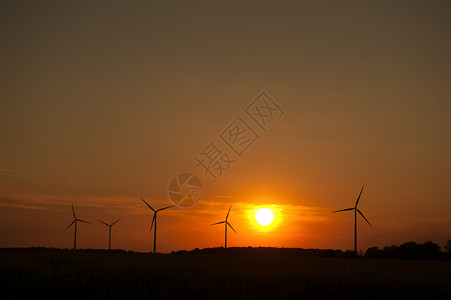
(264, 216)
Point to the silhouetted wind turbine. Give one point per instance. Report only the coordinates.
(154, 223)
(109, 229)
(225, 223)
(75, 222)
(356, 210)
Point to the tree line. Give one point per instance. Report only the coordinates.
(411, 250)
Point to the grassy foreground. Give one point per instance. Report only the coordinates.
(188, 276)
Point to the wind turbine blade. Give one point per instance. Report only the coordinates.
(364, 217)
(228, 212)
(104, 223)
(357, 202)
(115, 222)
(165, 207)
(69, 225)
(231, 227)
(153, 220)
(148, 205)
(343, 209)
(217, 223)
(83, 221)
(73, 211)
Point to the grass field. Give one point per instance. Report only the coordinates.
(133, 275)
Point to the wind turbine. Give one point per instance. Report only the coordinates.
(109, 229)
(75, 222)
(154, 221)
(225, 224)
(356, 210)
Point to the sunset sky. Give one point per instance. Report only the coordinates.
(104, 102)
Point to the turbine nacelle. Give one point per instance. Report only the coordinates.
(226, 223)
(75, 220)
(355, 208)
(109, 225)
(154, 219)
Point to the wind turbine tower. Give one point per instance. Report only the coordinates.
(356, 210)
(226, 223)
(74, 222)
(109, 229)
(154, 223)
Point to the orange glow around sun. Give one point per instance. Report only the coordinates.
(264, 216)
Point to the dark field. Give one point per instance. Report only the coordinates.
(44, 272)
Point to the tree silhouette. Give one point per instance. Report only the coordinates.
(430, 250)
(409, 250)
(448, 246)
(373, 252)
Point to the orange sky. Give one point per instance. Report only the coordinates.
(103, 103)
